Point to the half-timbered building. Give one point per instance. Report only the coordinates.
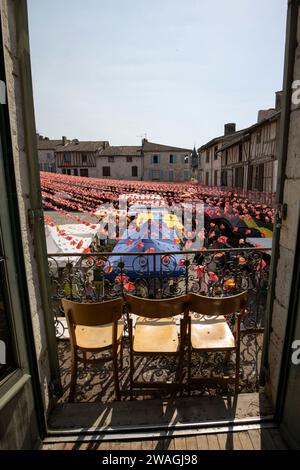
(78, 158)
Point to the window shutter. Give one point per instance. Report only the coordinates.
(161, 174)
(158, 159)
(174, 158)
(152, 159)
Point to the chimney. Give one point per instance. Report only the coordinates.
(144, 140)
(278, 97)
(64, 140)
(229, 128)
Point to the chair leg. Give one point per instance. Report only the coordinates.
(122, 353)
(179, 375)
(237, 372)
(131, 358)
(189, 367)
(116, 376)
(131, 372)
(73, 376)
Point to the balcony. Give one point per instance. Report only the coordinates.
(102, 276)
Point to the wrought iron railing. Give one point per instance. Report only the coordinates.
(218, 272)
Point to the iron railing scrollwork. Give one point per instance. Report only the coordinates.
(219, 272)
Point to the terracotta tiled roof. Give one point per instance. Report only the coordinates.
(230, 139)
(82, 146)
(153, 147)
(122, 150)
(48, 144)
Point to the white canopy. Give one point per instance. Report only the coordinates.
(58, 244)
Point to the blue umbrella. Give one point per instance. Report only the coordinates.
(144, 265)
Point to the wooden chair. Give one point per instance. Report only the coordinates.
(95, 328)
(211, 332)
(155, 334)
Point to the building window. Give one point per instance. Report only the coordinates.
(84, 172)
(215, 152)
(111, 159)
(75, 172)
(49, 156)
(171, 175)
(258, 137)
(129, 159)
(155, 174)
(239, 177)
(216, 178)
(172, 159)
(84, 159)
(224, 178)
(207, 156)
(186, 159)
(106, 170)
(67, 158)
(155, 159)
(240, 152)
(207, 178)
(134, 171)
(186, 175)
(64, 171)
(68, 171)
(250, 177)
(260, 177)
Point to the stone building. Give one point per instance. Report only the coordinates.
(165, 163)
(120, 162)
(209, 168)
(149, 161)
(79, 158)
(46, 152)
(249, 161)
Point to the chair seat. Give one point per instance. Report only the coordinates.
(96, 337)
(211, 333)
(155, 336)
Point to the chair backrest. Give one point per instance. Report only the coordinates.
(156, 308)
(217, 305)
(94, 313)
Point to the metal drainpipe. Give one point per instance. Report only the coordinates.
(282, 148)
(36, 220)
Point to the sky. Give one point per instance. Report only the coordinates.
(173, 71)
